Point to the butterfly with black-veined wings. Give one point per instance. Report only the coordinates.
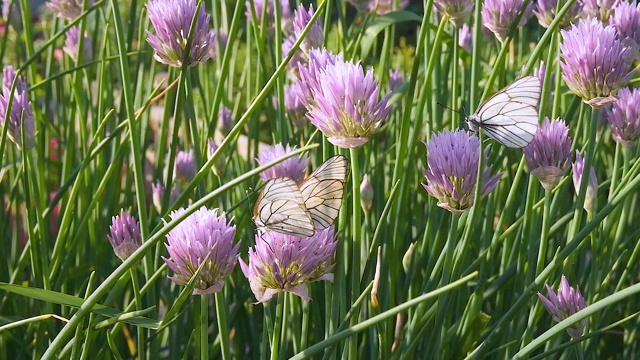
(287, 208)
(510, 116)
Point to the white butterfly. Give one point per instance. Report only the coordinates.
(510, 116)
(288, 209)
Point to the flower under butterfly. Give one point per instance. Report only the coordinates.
(72, 44)
(124, 235)
(310, 71)
(346, 106)
(280, 262)
(457, 10)
(452, 160)
(591, 197)
(595, 63)
(315, 35)
(66, 9)
(293, 168)
(546, 12)
(549, 153)
(203, 237)
(624, 117)
(598, 9)
(21, 118)
(499, 15)
(626, 19)
(171, 20)
(566, 302)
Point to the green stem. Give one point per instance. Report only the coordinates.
(356, 243)
(138, 299)
(277, 327)
(204, 327)
(223, 328)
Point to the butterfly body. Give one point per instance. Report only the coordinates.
(287, 208)
(510, 116)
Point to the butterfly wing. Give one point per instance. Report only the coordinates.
(323, 190)
(511, 115)
(281, 208)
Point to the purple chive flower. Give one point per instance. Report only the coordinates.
(171, 20)
(546, 12)
(599, 9)
(286, 17)
(499, 15)
(220, 39)
(591, 198)
(382, 7)
(72, 43)
(366, 193)
(185, 167)
(21, 115)
(219, 166)
(626, 19)
(540, 72)
(66, 9)
(280, 262)
(157, 194)
(465, 38)
(452, 159)
(346, 105)
(293, 168)
(457, 10)
(565, 303)
(124, 235)
(202, 237)
(595, 64)
(309, 72)
(294, 105)
(315, 36)
(548, 155)
(395, 79)
(225, 120)
(624, 117)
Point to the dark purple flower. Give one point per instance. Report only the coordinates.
(225, 120)
(72, 43)
(315, 36)
(546, 12)
(624, 117)
(309, 72)
(565, 303)
(382, 7)
(626, 19)
(452, 160)
(346, 105)
(499, 15)
(599, 9)
(171, 20)
(185, 167)
(293, 102)
(124, 235)
(395, 79)
(66, 9)
(293, 168)
(595, 64)
(21, 116)
(465, 38)
(591, 198)
(457, 10)
(202, 237)
(280, 262)
(548, 155)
